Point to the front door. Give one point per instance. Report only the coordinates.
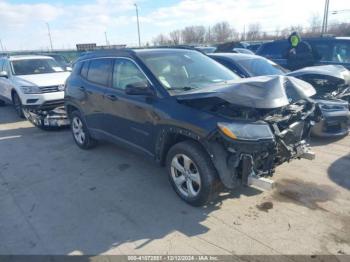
(130, 118)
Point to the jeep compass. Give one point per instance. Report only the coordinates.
(191, 114)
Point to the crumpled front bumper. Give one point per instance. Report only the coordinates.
(56, 117)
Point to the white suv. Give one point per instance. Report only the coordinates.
(35, 86)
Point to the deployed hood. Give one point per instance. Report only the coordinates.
(334, 71)
(51, 79)
(257, 92)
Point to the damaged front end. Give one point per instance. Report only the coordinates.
(331, 81)
(48, 115)
(265, 122)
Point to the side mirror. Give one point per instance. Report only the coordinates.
(139, 88)
(4, 74)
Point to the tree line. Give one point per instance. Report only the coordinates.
(223, 32)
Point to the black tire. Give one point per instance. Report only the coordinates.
(88, 142)
(17, 103)
(202, 162)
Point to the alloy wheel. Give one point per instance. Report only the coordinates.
(78, 131)
(185, 175)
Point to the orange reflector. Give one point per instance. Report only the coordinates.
(227, 132)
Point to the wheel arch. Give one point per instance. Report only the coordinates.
(169, 136)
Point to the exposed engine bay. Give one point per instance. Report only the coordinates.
(264, 137)
(331, 82)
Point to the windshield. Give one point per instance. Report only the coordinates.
(261, 67)
(185, 69)
(35, 66)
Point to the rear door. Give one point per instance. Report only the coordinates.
(96, 78)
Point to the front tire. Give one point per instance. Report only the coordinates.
(17, 103)
(191, 173)
(80, 131)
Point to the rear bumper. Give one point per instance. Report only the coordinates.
(333, 124)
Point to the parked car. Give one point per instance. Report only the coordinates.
(335, 112)
(242, 51)
(206, 49)
(61, 60)
(35, 86)
(327, 50)
(191, 114)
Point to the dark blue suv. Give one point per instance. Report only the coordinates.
(327, 51)
(187, 111)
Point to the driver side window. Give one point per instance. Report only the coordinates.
(125, 73)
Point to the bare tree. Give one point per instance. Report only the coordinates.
(161, 40)
(315, 25)
(254, 31)
(193, 34)
(175, 37)
(221, 32)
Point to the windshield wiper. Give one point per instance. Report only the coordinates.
(183, 88)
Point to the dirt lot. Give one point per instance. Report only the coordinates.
(58, 199)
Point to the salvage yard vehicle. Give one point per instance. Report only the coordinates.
(331, 82)
(35, 86)
(192, 114)
(327, 50)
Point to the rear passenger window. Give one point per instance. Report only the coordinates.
(323, 51)
(84, 69)
(275, 50)
(100, 71)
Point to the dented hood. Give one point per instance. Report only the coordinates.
(256, 92)
(335, 71)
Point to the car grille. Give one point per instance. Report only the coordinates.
(49, 89)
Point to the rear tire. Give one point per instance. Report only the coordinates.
(17, 103)
(192, 173)
(80, 131)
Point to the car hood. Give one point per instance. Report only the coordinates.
(264, 92)
(335, 71)
(42, 79)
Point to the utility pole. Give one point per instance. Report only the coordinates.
(325, 17)
(107, 42)
(49, 32)
(2, 47)
(138, 23)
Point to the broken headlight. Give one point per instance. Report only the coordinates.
(246, 131)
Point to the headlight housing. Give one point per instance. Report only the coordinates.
(246, 131)
(31, 89)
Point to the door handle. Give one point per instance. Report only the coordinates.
(83, 89)
(112, 97)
